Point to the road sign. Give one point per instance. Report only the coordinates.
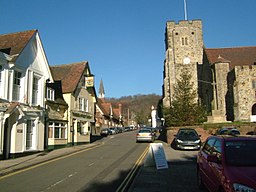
(156, 156)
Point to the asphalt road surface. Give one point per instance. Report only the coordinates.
(99, 169)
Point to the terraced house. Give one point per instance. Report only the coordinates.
(107, 114)
(24, 71)
(79, 93)
(39, 112)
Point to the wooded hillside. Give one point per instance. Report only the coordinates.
(136, 108)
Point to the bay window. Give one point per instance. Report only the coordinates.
(57, 130)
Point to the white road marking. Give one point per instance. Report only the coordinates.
(60, 181)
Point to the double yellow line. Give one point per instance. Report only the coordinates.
(131, 174)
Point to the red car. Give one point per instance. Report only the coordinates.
(227, 163)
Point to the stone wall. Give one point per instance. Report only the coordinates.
(205, 133)
(244, 94)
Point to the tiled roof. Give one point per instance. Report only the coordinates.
(116, 113)
(238, 56)
(102, 106)
(14, 43)
(69, 74)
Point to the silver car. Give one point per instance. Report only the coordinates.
(145, 135)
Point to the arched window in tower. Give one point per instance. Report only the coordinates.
(184, 41)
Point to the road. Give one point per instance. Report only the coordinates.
(102, 168)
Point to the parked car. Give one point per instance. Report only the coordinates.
(105, 132)
(228, 131)
(145, 135)
(251, 133)
(113, 130)
(187, 139)
(227, 163)
(120, 129)
(127, 129)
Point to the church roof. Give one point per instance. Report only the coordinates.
(101, 89)
(14, 43)
(69, 75)
(237, 56)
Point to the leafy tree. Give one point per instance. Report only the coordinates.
(184, 109)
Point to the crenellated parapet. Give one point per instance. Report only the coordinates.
(246, 70)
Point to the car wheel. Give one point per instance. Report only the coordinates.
(199, 180)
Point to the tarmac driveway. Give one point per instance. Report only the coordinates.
(179, 177)
(182, 170)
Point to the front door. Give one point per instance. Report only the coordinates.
(7, 140)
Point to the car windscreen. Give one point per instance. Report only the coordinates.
(145, 131)
(187, 134)
(240, 153)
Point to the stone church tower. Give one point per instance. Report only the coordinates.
(184, 50)
(224, 78)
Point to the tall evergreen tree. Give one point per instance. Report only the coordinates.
(184, 109)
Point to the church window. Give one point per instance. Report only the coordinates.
(184, 41)
(254, 84)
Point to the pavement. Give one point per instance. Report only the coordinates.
(148, 178)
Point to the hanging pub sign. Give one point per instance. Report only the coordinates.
(89, 81)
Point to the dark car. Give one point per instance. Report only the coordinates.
(227, 163)
(228, 131)
(187, 139)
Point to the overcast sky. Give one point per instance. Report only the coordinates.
(123, 40)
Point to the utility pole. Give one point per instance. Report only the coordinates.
(128, 117)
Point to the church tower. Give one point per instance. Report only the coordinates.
(101, 90)
(184, 50)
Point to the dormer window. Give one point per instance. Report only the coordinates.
(50, 94)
